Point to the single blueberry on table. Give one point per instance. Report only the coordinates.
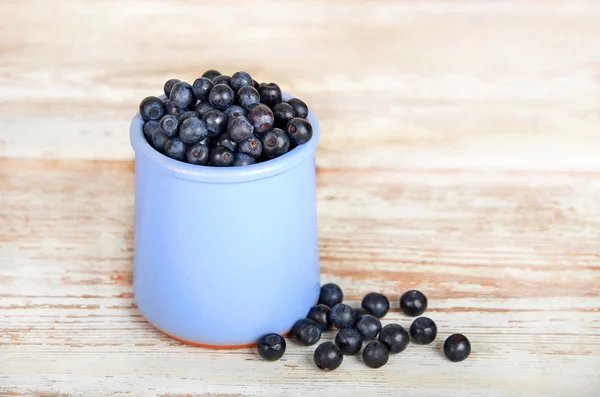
(240, 129)
(320, 314)
(261, 118)
(251, 146)
(247, 97)
(186, 115)
(275, 143)
(342, 316)
(216, 121)
(149, 128)
(234, 111)
(201, 88)
(169, 124)
(349, 341)
(457, 347)
(271, 347)
(226, 141)
(423, 331)
(395, 337)
(241, 159)
(211, 74)
(331, 294)
(159, 140)
(240, 79)
(181, 94)
(283, 113)
(375, 303)
(221, 157)
(328, 356)
(368, 326)
(175, 149)
(375, 354)
(192, 130)
(197, 154)
(299, 130)
(299, 107)
(169, 85)
(221, 96)
(306, 332)
(222, 79)
(413, 303)
(152, 108)
(203, 107)
(270, 94)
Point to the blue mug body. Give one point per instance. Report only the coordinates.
(223, 256)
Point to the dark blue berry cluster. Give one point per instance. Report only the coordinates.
(358, 325)
(224, 121)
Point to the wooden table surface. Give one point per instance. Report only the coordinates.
(460, 155)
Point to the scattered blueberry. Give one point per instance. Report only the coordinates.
(377, 304)
(261, 118)
(275, 143)
(320, 314)
(368, 326)
(169, 85)
(221, 157)
(271, 347)
(349, 341)
(457, 347)
(222, 79)
(169, 124)
(181, 94)
(203, 107)
(234, 111)
(248, 97)
(283, 113)
(240, 79)
(331, 294)
(328, 356)
(159, 140)
(192, 131)
(375, 354)
(423, 330)
(216, 121)
(239, 129)
(201, 88)
(306, 332)
(221, 96)
(299, 130)
(197, 154)
(226, 141)
(342, 316)
(413, 303)
(186, 115)
(270, 94)
(251, 146)
(149, 129)
(299, 107)
(240, 159)
(175, 149)
(211, 74)
(395, 337)
(152, 108)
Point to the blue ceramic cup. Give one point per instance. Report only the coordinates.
(223, 256)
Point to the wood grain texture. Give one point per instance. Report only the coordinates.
(460, 155)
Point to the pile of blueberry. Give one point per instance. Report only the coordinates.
(362, 324)
(224, 121)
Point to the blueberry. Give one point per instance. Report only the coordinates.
(181, 94)
(186, 115)
(240, 129)
(159, 141)
(375, 354)
(270, 94)
(222, 79)
(275, 143)
(368, 326)
(234, 111)
(394, 337)
(197, 154)
(342, 316)
(299, 107)
(248, 97)
(226, 141)
(175, 149)
(241, 159)
(283, 113)
(203, 107)
(221, 157)
(261, 118)
(376, 304)
(240, 79)
(457, 347)
(192, 131)
(169, 124)
(149, 128)
(255, 84)
(331, 295)
(152, 108)
(413, 303)
(221, 96)
(169, 85)
(358, 313)
(299, 130)
(201, 88)
(192, 105)
(306, 332)
(271, 347)
(320, 314)
(328, 356)
(206, 141)
(349, 341)
(172, 108)
(216, 121)
(211, 74)
(251, 146)
(423, 331)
